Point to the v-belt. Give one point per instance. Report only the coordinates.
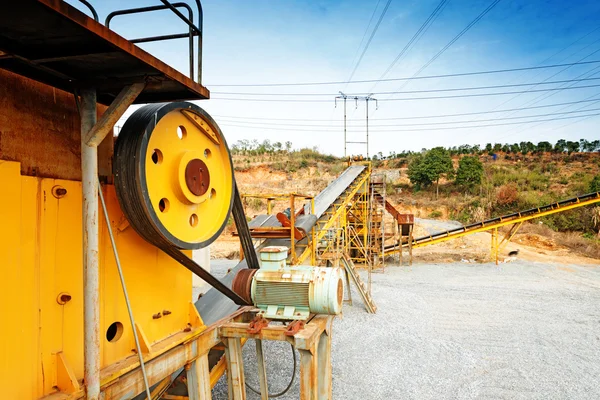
(249, 253)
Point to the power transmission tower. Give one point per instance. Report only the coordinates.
(356, 99)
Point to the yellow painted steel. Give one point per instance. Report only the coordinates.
(495, 225)
(180, 137)
(40, 242)
(360, 184)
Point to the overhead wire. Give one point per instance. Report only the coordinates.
(411, 78)
(414, 39)
(409, 130)
(350, 96)
(454, 39)
(410, 98)
(362, 40)
(387, 5)
(414, 124)
(414, 117)
(553, 75)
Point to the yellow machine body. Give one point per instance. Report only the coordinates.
(40, 243)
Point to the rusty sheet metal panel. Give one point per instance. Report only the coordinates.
(39, 127)
(406, 219)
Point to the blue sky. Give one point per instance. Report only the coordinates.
(249, 42)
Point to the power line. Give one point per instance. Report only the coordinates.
(497, 71)
(412, 91)
(413, 98)
(366, 30)
(419, 117)
(455, 38)
(416, 37)
(422, 124)
(387, 5)
(415, 130)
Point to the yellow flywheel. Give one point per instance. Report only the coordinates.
(173, 175)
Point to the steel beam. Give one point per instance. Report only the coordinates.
(117, 108)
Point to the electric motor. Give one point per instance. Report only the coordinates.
(290, 293)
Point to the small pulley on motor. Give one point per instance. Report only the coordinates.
(174, 175)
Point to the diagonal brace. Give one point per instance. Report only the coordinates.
(115, 111)
(509, 235)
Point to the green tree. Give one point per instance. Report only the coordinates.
(544, 147)
(560, 146)
(430, 167)
(572, 147)
(469, 172)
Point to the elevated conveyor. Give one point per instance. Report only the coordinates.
(495, 223)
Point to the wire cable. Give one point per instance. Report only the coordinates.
(387, 5)
(415, 38)
(251, 124)
(350, 96)
(417, 117)
(459, 74)
(362, 40)
(455, 38)
(287, 388)
(411, 98)
(409, 130)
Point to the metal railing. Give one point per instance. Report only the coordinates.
(193, 30)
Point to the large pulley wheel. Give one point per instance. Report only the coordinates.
(173, 175)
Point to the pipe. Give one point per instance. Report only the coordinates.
(91, 276)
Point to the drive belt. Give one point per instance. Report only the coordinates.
(249, 253)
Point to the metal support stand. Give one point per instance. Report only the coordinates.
(495, 245)
(313, 342)
(91, 273)
(235, 368)
(198, 379)
(92, 134)
(262, 371)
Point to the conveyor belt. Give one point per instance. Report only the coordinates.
(497, 222)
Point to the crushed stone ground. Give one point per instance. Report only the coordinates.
(520, 330)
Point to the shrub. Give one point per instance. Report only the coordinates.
(595, 184)
(435, 214)
(507, 195)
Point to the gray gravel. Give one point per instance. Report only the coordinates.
(461, 331)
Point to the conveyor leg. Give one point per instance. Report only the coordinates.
(324, 361)
(235, 369)
(308, 373)
(198, 379)
(262, 371)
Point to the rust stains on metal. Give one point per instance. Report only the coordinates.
(68, 48)
(63, 298)
(257, 324)
(294, 327)
(242, 284)
(40, 129)
(59, 192)
(197, 177)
